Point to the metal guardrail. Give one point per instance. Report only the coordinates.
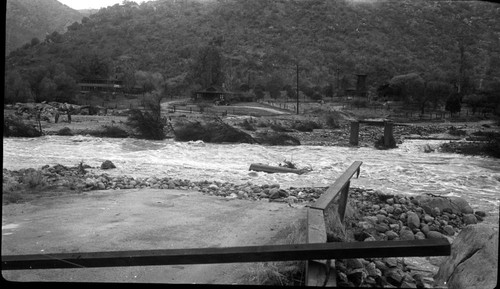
(315, 249)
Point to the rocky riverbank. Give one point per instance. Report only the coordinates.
(376, 216)
(371, 215)
(80, 179)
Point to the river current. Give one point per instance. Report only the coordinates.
(404, 170)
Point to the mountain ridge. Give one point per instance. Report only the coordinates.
(261, 39)
(28, 19)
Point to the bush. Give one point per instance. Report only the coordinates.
(331, 120)
(262, 124)
(277, 139)
(457, 132)
(15, 127)
(280, 128)
(33, 179)
(111, 131)
(147, 125)
(65, 131)
(360, 103)
(212, 132)
(306, 126)
(247, 125)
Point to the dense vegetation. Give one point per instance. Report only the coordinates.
(255, 45)
(28, 21)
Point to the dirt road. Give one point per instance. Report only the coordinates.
(140, 220)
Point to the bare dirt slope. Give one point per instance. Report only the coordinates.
(140, 220)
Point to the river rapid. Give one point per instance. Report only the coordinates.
(404, 170)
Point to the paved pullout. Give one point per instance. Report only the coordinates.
(140, 219)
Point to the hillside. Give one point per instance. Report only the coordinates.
(26, 19)
(263, 39)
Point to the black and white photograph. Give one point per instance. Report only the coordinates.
(325, 143)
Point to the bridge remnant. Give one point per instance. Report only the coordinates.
(388, 130)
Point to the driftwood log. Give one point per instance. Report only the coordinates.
(272, 169)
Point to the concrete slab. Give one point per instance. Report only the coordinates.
(140, 219)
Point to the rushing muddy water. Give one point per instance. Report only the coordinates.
(405, 170)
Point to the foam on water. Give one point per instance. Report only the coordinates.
(405, 170)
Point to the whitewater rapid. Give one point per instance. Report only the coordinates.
(404, 170)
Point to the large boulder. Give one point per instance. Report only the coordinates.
(474, 259)
(455, 204)
(107, 164)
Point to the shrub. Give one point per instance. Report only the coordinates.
(457, 132)
(360, 103)
(15, 127)
(65, 131)
(331, 120)
(33, 179)
(280, 128)
(247, 125)
(306, 126)
(262, 124)
(146, 124)
(277, 139)
(213, 132)
(111, 131)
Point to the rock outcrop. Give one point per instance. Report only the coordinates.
(107, 164)
(451, 204)
(473, 262)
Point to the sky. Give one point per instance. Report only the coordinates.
(92, 4)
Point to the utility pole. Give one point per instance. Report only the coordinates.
(297, 88)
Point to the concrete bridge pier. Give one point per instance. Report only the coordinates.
(354, 137)
(388, 133)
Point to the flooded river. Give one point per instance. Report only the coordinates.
(405, 170)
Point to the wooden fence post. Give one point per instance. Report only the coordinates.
(343, 201)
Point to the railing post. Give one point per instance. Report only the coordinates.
(343, 201)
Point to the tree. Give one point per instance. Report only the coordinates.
(328, 90)
(409, 88)
(54, 37)
(149, 123)
(126, 74)
(92, 65)
(47, 89)
(35, 41)
(453, 103)
(66, 87)
(207, 67)
(259, 92)
(34, 78)
(474, 101)
(16, 89)
(274, 85)
(291, 93)
(75, 26)
(437, 92)
(145, 80)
